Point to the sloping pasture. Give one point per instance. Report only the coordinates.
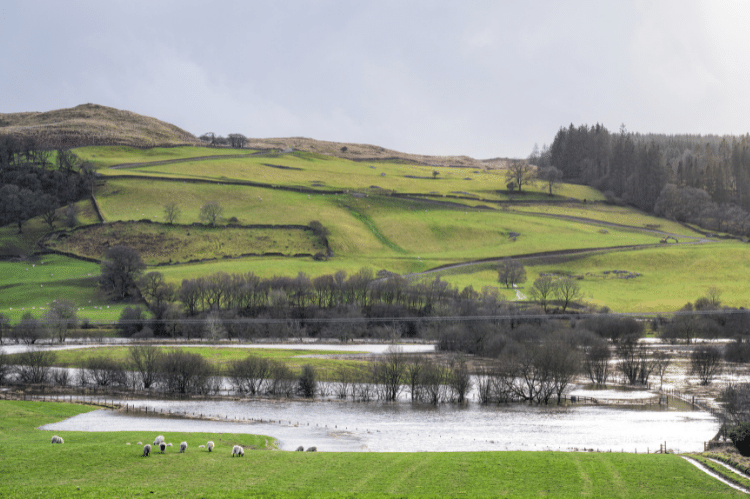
(106, 156)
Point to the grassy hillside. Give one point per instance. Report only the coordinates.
(91, 124)
(391, 215)
(91, 464)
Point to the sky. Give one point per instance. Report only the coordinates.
(481, 79)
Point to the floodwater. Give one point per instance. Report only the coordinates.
(370, 348)
(404, 427)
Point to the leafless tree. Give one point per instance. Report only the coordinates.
(34, 366)
(171, 212)
(390, 371)
(511, 272)
(210, 213)
(567, 291)
(596, 362)
(520, 173)
(145, 361)
(236, 140)
(60, 318)
(662, 360)
(459, 379)
(705, 362)
(120, 269)
(249, 375)
(543, 290)
(551, 176)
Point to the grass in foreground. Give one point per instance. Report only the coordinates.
(101, 465)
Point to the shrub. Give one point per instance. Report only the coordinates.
(740, 437)
(103, 371)
(34, 366)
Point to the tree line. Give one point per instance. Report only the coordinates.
(689, 178)
(32, 184)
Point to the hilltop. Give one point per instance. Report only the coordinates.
(367, 152)
(91, 124)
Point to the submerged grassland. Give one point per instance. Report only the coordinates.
(92, 464)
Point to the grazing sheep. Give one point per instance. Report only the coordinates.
(127, 443)
(158, 440)
(146, 450)
(162, 447)
(210, 446)
(140, 443)
(238, 451)
(169, 444)
(183, 447)
(300, 449)
(57, 440)
(201, 446)
(312, 449)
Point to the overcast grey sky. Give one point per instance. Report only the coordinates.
(483, 79)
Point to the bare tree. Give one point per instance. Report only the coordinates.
(662, 360)
(60, 318)
(34, 366)
(519, 173)
(511, 272)
(596, 362)
(542, 291)
(390, 372)
(210, 213)
(459, 379)
(49, 205)
(567, 291)
(146, 362)
(551, 176)
(236, 140)
(172, 212)
(705, 362)
(120, 268)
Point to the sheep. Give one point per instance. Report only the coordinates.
(57, 440)
(300, 449)
(210, 446)
(139, 443)
(201, 446)
(183, 447)
(158, 440)
(238, 451)
(169, 444)
(146, 450)
(162, 447)
(312, 449)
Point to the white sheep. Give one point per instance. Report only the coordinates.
(158, 439)
(183, 447)
(146, 450)
(238, 451)
(162, 447)
(201, 446)
(140, 443)
(169, 444)
(210, 446)
(57, 440)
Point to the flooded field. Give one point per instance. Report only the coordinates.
(403, 427)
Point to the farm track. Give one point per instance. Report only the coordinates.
(715, 475)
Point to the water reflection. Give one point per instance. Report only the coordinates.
(402, 427)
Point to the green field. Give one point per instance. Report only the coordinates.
(102, 465)
(220, 358)
(370, 228)
(106, 156)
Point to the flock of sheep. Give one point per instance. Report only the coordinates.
(160, 444)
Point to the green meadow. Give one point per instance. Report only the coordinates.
(442, 222)
(101, 464)
(107, 156)
(221, 357)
